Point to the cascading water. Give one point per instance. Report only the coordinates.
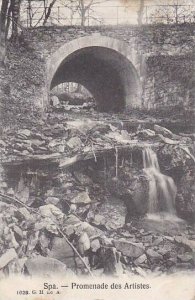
(162, 189)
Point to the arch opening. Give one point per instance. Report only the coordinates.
(106, 73)
(72, 94)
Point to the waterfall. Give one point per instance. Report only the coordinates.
(162, 189)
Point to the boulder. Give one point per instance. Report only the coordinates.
(37, 143)
(166, 251)
(82, 178)
(2, 143)
(53, 143)
(95, 245)
(52, 200)
(72, 220)
(140, 260)
(13, 241)
(171, 156)
(89, 229)
(167, 140)
(69, 230)
(54, 101)
(3, 206)
(24, 213)
(44, 241)
(99, 220)
(129, 249)
(147, 239)
(81, 198)
(45, 267)
(10, 192)
(62, 251)
(32, 242)
(185, 199)
(146, 134)
(162, 130)
(186, 257)
(51, 211)
(189, 244)
(83, 243)
(127, 234)
(171, 262)
(24, 133)
(7, 257)
(61, 148)
(137, 201)
(158, 241)
(153, 255)
(74, 143)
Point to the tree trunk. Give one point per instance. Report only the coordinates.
(82, 11)
(140, 12)
(9, 14)
(29, 12)
(176, 14)
(83, 18)
(15, 18)
(3, 17)
(48, 13)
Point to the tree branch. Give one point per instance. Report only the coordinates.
(49, 11)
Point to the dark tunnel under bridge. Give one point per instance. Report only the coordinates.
(105, 72)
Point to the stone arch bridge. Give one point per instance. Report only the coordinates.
(123, 67)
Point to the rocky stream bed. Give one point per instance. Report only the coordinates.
(74, 197)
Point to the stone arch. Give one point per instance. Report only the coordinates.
(106, 66)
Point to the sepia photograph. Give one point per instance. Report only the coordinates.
(97, 149)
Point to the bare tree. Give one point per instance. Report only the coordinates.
(84, 8)
(175, 12)
(38, 11)
(10, 13)
(48, 11)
